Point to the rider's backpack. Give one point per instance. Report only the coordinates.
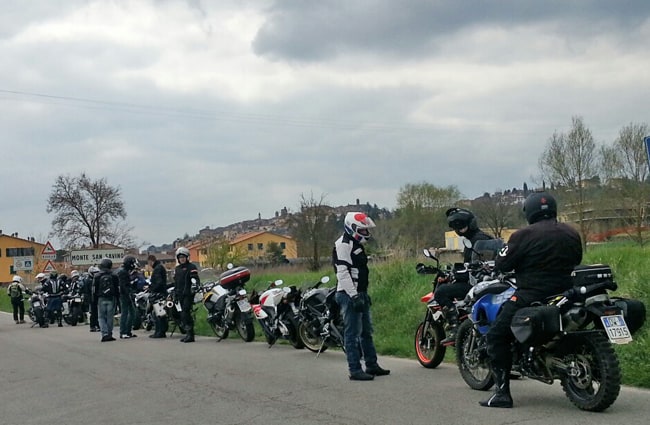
(106, 288)
(14, 291)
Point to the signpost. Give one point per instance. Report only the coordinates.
(49, 267)
(24, 263)
(94, 256)
(646, 142)
(48, 253)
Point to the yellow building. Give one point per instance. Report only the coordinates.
(22, 257)
(254, 245)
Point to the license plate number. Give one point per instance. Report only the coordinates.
(244, 305)
(616, 329)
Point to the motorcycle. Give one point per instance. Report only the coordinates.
(277, 313)
(172, 309)
(143, 309)
(567, 338)
(37, 307)
(73, 308)
(227, 306)
(321, 324)
(433, 329)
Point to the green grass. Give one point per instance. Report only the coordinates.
(396, 290)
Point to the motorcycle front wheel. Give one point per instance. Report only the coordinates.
(472, 358)
(219, 330)
(592, 379)
(428, 348)
(245, 328)
(312, 343)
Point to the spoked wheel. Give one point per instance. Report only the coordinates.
(311, 342)
(245, 329)
(472, 358)
(220, 331)
(427, 344)
(592, 379)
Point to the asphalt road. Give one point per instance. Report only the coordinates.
(66, 376)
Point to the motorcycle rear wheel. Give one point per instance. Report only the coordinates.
(245, 329)
(39, 317)
(593, 381)
(311, 342)
(472, 363)
(427, 346)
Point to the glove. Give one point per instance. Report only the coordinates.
(358, 303)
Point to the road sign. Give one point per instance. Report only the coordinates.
(89, 257)
(49, 267)
(24, 263)
(646, 142)
(48, 253)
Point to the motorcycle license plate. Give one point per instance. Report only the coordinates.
(244, 306)
(77, 300)
(616, 329)
(37, 304)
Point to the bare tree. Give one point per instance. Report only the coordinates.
(625, 164)
(87, 212)
(568, 162)
(314, 228)
(496, 214)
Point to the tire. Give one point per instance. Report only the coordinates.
(220, 331)
(472, 358)
(39, 317)
(245, 328)
(594, 380)
(148, 322)
(76, 316)
(311, 342)
(294, 338)
(429, 351)
(266, 329)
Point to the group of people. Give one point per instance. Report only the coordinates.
(542, 255)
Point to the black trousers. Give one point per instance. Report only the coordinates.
(447, 292)
(94, 320)
(19, 309)
(187, 304)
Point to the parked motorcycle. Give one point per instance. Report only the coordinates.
(321, 324)
(567, 338)
(143, 309)
(276, 311)
(227, 305)
(72, 312)
(172, 309)
(434, 327)
(37, 307)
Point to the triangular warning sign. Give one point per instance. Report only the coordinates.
(48, 249)
(49, 267)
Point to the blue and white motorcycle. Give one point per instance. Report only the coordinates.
(569, 337)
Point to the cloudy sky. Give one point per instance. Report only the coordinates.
(206, 113)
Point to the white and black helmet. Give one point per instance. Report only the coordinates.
(358, 225)
(183, 251)
(17, 279)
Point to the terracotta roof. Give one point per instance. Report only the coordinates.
(250, 235)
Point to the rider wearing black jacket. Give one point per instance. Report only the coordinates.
(464, 224)
(54, 290)
(185, 275)
(543, 256)
(158, 289)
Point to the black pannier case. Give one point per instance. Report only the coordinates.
(634, 312)
(536, 325)
(584, 275)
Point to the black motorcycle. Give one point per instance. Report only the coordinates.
(321, 324)
(37, 307)
(73, 308)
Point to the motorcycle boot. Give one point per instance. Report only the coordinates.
(361, 376)
(189, 336)
(501, 396)
(451, 315)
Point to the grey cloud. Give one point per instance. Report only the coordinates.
(315, 31)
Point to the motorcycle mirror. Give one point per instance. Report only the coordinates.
(278, 282)
(324, 279)
(467, 243)
(286, 289)
(230, 266)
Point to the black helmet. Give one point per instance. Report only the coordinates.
(106, 264)
(538, 206)
(129, 262)
(459, 218)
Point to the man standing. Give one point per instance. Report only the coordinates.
(89, 289)
(127, 279)
(185, 275)
(158, 290)
(543, 255)
(15, 291)
(54, 290)
(351, 266)
(106, 288)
